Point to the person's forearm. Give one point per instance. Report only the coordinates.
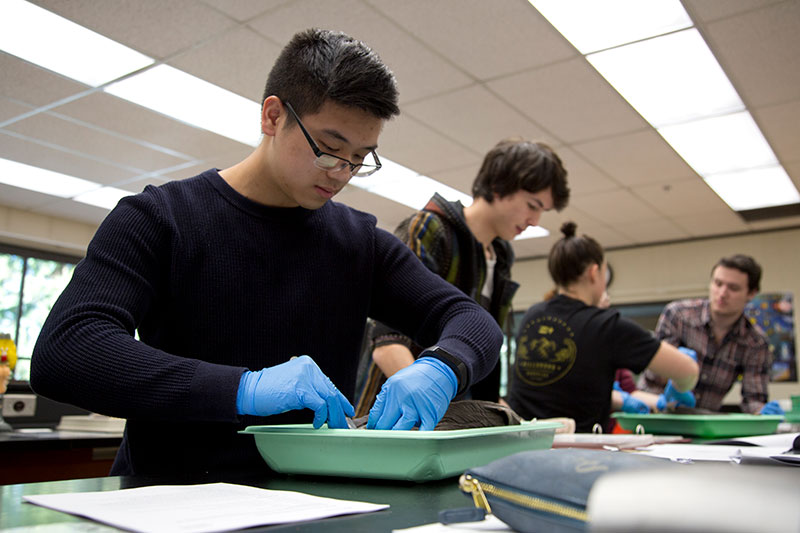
(392, 357)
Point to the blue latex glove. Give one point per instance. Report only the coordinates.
(671, 397)
(772, 408)
(631, 404)
(295, 384)
(419, 393)
(688, 351)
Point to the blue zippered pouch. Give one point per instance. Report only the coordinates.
(542, 490)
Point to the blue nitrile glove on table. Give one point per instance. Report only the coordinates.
(629, 403)
(772, 408)
(295, 384)
(672, 397)
(418, 394)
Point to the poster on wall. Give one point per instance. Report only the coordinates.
(774, 314)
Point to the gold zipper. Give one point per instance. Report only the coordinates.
(479, 489)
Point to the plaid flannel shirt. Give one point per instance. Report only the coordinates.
(744, 351)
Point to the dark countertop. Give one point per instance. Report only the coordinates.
(412, 504)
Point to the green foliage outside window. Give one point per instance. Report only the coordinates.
(29, 286)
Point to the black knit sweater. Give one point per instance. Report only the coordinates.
(216, 284)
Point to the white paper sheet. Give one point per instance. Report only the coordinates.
(491, 523)
(198, 508)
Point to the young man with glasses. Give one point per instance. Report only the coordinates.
(469, 247)
(250, 289)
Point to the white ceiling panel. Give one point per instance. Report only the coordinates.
(30, 84)
(59, 160)
(405, 139)
(243, 10)
(636, 158)
(23, 198)
(10, 109)
(706, 222)
(460, 178)
(420, 71)
(478, 117)
(238, 60)
(709, 10)
(570, 100)
(485, 39)
(154, 28)
(759, 51)
(140, 124)
(77, 211)
(679, 197)
(583, 177)
(781, 126)
(654, 229)
(615, 207)
(92, 143)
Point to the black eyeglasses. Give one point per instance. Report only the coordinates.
(333, 163)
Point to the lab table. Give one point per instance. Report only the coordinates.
(411, 504)
(29, 456)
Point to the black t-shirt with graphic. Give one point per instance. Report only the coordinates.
(566, 357)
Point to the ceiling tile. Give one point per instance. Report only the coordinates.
(570, 100)
(77, 211)
(10, 109)
(32, 85)
(459, 178)
(781, 126)
(615, 207)
(39, 155)
(583, 177)
(138, 123)
(479, 36)
(18, 198)
(709, 10)
(238, 60)
(420, 71)
(137, 186)
(775, 223)
(652, 230)
(243, 10)
(92, 143)
(474, 117)
(636, 158)
(679, 197)
(156, 29)
(758, 50)
(711, 222)
(407, 141)
(391, 212)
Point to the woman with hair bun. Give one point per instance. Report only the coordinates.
(569, 349)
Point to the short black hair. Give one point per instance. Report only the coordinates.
(746, 264)
(321, 65)
(515, 164)
(570, 255)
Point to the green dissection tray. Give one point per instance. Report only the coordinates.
(705, 426)
(407, 455)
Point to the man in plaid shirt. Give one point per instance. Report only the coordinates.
(726, 342)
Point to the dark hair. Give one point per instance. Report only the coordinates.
(515, 164)
(570, 255)
(320, 65)
(746, 264)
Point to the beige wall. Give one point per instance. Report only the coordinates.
(681, 270)
(23, 228)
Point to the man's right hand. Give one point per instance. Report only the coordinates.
(295, 384)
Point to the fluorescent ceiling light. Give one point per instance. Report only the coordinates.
(55, 43)
(669, 79)
(755, 188)
(191, 100)
(405, 186)
(720, 144)
(42, 180)
(591, 25)
(105, 197)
